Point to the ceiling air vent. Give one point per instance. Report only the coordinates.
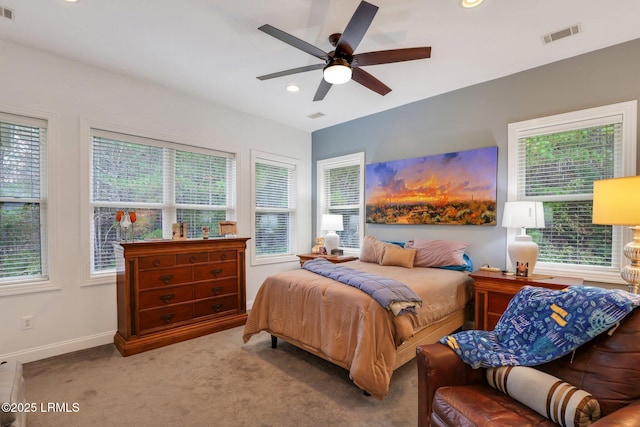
(315, 115)
(560, 34)
(7, 13)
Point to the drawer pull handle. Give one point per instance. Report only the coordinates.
(156, 262)
(223, 257)
(192, 259)
(166, 318)
(216, 272)
(166, 298)
(217, 307)
(217, 290)
(166, 279)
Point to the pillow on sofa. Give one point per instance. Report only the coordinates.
(372, 250)
(549, 396)
(395, 255)
(437, 253)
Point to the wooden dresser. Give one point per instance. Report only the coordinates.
(494, 290)
(170, 291)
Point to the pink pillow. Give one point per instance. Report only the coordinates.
(372, 250)
(437, 253)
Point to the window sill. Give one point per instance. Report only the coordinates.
(265, 260)
(99, 279)
(609, 277)
(27, 288)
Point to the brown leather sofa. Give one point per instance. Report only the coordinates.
(451, 393)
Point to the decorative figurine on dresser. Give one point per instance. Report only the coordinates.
(174, 290)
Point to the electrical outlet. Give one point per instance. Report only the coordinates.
(27, 322)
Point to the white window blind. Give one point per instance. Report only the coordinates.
(162, 183)
(555, 160)
(23, 230)
(274, 207)
(340, 189)
(559, 168)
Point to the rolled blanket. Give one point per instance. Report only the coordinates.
(390, 293)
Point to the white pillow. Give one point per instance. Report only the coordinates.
(549, 396)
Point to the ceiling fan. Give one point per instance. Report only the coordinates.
(341, 64)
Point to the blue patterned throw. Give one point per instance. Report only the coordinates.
(540, 325)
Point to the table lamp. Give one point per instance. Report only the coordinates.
(616, 201)
(331, 224)
(523, 251)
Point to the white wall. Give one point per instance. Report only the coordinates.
(81, 312)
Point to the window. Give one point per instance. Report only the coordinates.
(162, 183)
(23, 203)
(555, 160)
(274, 181)
(340, 183)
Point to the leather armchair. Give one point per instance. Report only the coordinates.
(451, 393)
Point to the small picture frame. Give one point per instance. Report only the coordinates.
(179, 231)
(522, 269)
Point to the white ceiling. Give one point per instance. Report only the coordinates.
(213, 49)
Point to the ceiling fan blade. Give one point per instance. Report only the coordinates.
(294, 41)
(356, 28)
(389, 56)
(291, 71)
(323, 88)
(367, 80)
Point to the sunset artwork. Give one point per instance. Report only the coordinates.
(452, 188)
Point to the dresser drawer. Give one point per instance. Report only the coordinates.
(222, 255)
(160, 278)
(156, 261)
(218, 305)
(164, 317)
(218, 270)
(167, 296)
(192, 258)
(216, 287)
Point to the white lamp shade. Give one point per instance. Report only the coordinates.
(523, 252)
(331, 224)
(523, 214)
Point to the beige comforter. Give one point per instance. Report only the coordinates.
(345, 324)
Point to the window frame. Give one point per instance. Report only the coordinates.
(355, 159)
(88, 126)
(48, 244)
(627, 166)
(294, 165)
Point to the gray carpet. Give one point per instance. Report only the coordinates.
(214, 380)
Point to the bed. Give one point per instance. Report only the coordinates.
(347, 327)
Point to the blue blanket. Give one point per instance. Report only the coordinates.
(540, 325)
(390, 293)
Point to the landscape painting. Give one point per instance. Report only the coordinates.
(452, 188)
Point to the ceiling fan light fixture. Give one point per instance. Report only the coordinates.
(337, 72)
(470, 3)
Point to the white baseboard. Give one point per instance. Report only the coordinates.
(56, 349)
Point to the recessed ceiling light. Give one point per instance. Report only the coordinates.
(71, 1)
(293, 88)
(470, 3)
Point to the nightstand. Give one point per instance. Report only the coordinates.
(333, 258)
(494, 290)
